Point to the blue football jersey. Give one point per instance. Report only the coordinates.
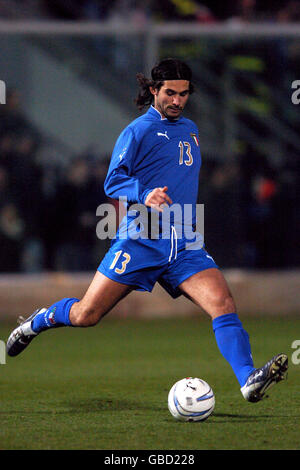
(151, 152)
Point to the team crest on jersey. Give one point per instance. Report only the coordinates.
(195, 139)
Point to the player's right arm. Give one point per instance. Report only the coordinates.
(120, 183)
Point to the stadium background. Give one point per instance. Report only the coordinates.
(69, 68)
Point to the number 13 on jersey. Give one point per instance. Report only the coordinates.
(125, 259)
(185, 151)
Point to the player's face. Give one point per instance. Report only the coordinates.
(171, 98)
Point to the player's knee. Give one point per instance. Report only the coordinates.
(224, 303)
(85, 316)
(229, 304)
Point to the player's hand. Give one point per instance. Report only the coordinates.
(158, 199)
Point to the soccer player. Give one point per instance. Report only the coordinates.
(155, 164)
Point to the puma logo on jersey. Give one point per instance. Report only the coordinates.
(163, 135)
(122, 153)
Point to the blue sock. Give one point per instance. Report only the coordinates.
(233, 342)
(55, 316)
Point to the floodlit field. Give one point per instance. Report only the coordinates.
(106, 388)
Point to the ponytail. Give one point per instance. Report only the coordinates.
(145, 97)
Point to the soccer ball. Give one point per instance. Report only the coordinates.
(191, 399)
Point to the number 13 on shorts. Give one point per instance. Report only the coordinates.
(125, 259)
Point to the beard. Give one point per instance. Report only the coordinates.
(171, 112)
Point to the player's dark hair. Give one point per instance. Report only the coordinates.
(167, 69)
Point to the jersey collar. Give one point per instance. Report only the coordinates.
(156, 114)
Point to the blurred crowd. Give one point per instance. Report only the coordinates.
(202, 11)
(252, 211)
(48, 211)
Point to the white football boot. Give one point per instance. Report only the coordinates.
(265, 377)
(21, 336)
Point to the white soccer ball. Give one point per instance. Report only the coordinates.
(191, 399)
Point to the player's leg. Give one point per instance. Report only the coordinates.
(102, 295)
(209, 290)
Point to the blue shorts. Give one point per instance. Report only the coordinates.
(141, 264)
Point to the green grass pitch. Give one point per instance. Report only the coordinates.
(106, 387)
